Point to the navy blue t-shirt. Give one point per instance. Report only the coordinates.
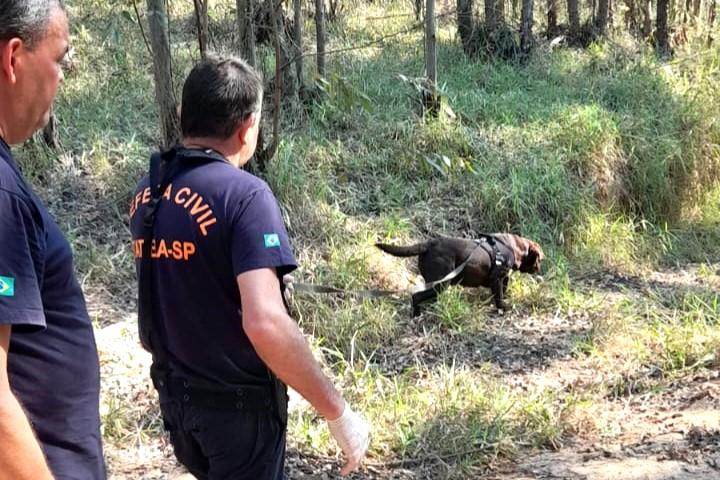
(52, 362)
(214, 222)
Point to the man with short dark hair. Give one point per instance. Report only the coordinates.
(211, 248)
(48, 358)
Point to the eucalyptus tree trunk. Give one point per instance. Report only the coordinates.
(297, 40)
(573, 16)
(466, 25)
(432, 99)
(49, 132)
(712, 11)
(601, 17)
(552, 17)
(526, 21)
(661, 31)
(245, 11)
(491, 20)
(162, 71)
(630, 20)
(647, 18)
(201, 20)
(321, 35)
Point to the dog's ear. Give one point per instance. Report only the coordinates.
(534, 258)
(520, 248)
(537, 249)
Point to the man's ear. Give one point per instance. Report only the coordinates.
(8, 57)
(244, 126)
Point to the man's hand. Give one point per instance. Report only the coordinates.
(281, 345)
(352, 433)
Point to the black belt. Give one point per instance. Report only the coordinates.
(249, 398)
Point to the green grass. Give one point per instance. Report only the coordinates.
(468, 417)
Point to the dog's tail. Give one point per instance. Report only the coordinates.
(400, 251)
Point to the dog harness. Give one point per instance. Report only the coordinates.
(501, 259)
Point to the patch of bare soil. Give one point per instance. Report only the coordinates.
(674, 435)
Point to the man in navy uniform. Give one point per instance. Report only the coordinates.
(210, 256)
(49, 372)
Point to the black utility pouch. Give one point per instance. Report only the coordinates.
(281, 400)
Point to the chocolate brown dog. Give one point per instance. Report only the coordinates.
(490, 260)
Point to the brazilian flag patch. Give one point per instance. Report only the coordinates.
(7, 286)
(272, 240)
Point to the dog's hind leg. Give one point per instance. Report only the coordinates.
(421, 297)
(425, 296)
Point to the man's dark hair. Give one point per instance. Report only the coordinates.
(26, 19)
(219, 93)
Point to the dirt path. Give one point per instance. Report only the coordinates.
(667, 433)
(674, 435)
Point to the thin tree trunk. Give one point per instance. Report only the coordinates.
(573, 16)
(418, 9)
(466, 27)
(286, 50)
(277, 94)
(321, 35)
(162, 62)
(630, 19)
(647, 18)
(602, 16)
(712, 11)
(661, 32)
(201, 20)
(246, 30)
(526, 20)
(297, 39)
(552, 17)
(491, 21)
(49, 132)
(431, 100)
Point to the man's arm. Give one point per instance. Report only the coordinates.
(20, 456)
(281, 345)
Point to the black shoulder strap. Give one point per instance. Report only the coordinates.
(148, 331)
